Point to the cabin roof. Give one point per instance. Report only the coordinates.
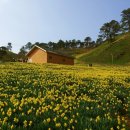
(47, 51)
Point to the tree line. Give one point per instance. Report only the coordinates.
(6, 48)
(108, 31)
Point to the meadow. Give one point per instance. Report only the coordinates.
(59, 97)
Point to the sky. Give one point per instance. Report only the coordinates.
(23, 21)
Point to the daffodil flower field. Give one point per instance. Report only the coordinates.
(59, 97)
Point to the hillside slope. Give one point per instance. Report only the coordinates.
(74, 51)
(7, 56)
(117, 52)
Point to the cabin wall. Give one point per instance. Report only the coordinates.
(58, 59)
(37, 56)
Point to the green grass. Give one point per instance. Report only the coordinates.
(74, 51)
(120, 50)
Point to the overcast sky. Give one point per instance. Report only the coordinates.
(23, 21)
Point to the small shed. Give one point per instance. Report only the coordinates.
(40, 55)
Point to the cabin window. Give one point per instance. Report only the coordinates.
(50, 57)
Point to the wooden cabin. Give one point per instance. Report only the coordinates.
(40, 55)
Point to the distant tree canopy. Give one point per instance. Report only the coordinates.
(68, 44)
(109, 30)
(28, 46)
(99, 41)
(9, 46)
(6, 48)
(125, 19)
(87, 41)
(22, 52)
(60, 45)
(3, 48)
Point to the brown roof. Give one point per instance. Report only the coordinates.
(35, 46)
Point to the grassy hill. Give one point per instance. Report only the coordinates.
(74, 51)
(117, 52)
(6, 56)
